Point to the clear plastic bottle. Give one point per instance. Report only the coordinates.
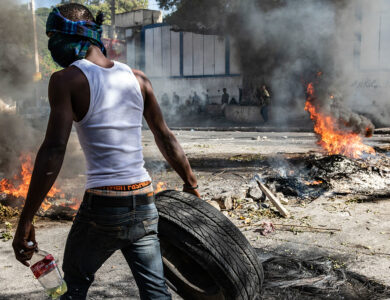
(45, 269)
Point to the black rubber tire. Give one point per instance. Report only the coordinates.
(205, 255)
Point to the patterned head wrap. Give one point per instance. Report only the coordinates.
(70, 40)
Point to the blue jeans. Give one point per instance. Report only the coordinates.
(264, 113)
(97, 232)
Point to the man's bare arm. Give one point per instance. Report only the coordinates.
(47, 164)
(165, 139)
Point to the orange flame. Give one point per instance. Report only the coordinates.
(161, 186)
(331, 138)
(314, 182)
(18, 186)
(45, 205)
(73, 203)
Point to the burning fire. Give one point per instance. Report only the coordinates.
(18, 186)
(75, 204)
(161, 186)
(314, 182)
(331, 137)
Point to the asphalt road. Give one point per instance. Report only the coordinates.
(364, 227)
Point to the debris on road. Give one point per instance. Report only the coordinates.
(214, 204)
(267, 228)
(283, 211)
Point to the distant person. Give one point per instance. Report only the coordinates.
(165, 100)
(206, 97)
(188, 101)
(265, 98)
(233, 101)
(196, 103)
(196, 99)
(225, 97)
(175, 98)
(239, 95)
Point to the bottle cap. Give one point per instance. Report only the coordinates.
(30, 243)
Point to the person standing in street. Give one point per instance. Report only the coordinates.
(106, 101)
(225, 97)
(265, 99)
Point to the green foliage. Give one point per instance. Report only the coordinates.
(170, 4)
(197, 15)
(46, 63)
(18, 55)
(121, 6)
(215, 16)
(7, 234)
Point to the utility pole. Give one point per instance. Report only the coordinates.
(112, 19)
(37, 75)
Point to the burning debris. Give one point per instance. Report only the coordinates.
(161, 186)
(299, 187)
(312, 176)
(18, 186)
(13, 192)
(57, 204)
(337, 135)
(300, 179)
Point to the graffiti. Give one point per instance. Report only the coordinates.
(366, 84)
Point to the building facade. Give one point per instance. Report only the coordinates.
(180, 62)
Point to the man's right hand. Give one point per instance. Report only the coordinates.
(24, 234)
(191, 191)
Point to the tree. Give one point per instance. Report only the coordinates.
(211, 16)
(47, 65)
(121, 6)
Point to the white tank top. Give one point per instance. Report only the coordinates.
(110, 132)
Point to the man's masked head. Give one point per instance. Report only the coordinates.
(72, 30)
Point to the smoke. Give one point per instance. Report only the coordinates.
(369, 77)
(16, 138)
(19, 95)
(16, 68)
(16, 135)
(286, 45)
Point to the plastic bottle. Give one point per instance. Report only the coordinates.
(45, 269)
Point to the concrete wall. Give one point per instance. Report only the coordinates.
(187, 62)
(243, 114)
(184, 86)
(202, 55)
(367, 59)
(139, 17)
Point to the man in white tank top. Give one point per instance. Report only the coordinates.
(106, 101)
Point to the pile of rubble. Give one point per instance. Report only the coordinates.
(249, 197)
